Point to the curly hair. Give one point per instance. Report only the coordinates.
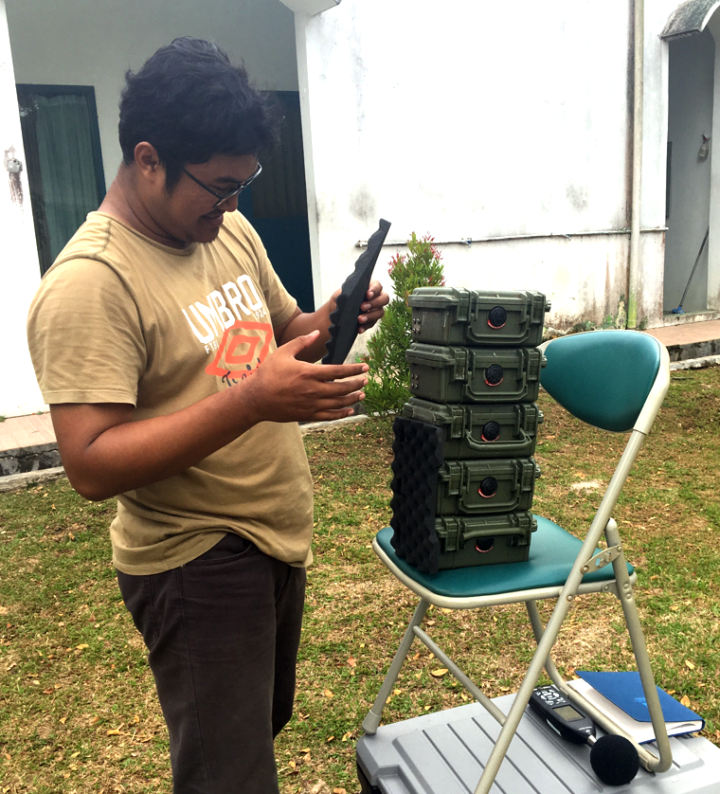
(191, 103)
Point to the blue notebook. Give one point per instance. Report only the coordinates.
(627, 705)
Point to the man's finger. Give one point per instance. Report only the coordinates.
(297, 345)
(375, 288)
(339, 371)
(377, 303)
(338, 399)
(326, 414)
(331, 416)
(336, 390)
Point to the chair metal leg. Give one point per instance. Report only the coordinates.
(538, 631)
(646, 758)
(637, 639)
(528, 684)
(650, 761)
(467, 683)
(547, 640)
(372, 720)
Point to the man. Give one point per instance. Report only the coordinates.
(176, 367)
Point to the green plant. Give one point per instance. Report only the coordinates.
(618, 320)
(389, 375)
(582, 326)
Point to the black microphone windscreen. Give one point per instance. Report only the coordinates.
(614, 760)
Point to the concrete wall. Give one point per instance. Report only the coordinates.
(477, 120)
(19, 268)
(93, 42)
(470, 121)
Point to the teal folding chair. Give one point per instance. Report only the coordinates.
(613, 380)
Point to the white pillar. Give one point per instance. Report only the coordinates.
(19, 268)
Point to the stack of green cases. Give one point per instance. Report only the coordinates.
(464, 472)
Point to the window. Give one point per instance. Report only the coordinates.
(64, 165)
(276, 205)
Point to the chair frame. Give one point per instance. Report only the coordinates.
(588, 558)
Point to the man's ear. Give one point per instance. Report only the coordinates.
(148, 163)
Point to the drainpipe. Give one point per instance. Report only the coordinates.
(639, 62)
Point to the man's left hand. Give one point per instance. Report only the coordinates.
(373, 307)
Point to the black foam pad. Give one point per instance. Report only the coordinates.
(418, 448)
(344, 320)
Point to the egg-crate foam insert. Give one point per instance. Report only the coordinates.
(418, 456)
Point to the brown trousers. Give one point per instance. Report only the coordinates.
(223, 633)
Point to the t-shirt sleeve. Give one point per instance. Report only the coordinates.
(85, 336)
(279, 301)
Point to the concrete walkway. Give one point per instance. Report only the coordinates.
(687, 334)
(28, 445)
(691, 345)
(21, 432)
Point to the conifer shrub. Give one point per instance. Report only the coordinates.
(389, 376)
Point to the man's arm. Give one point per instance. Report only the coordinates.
(105, 452)
(302, 323)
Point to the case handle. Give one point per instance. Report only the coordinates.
(484, 445)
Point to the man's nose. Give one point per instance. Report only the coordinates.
(229, 205)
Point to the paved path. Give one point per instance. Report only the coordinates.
(20, 432)
(687, 333)
(26, 431)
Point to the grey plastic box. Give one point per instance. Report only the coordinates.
(484, 540)
(447, 316)
(474, 375)
(446, 752)
(472, 487)
(480, 431)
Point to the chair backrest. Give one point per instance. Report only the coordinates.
(605, 377)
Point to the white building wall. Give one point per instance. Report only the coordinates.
(94, 42)
(468, 121)
(477, 120)
(19, 268)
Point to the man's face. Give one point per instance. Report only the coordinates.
(186, 213)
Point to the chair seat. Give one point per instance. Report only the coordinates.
(553, 551)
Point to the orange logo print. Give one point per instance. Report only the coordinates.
(243, 348)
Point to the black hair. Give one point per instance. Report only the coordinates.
(191, 103)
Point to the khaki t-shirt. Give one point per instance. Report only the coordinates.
(122, 319)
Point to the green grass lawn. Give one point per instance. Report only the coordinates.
(78, 711)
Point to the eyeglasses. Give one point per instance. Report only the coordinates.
(226, 196)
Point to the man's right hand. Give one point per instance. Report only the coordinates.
(286, 389)
(106, 451)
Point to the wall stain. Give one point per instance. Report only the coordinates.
(577, 196)
(362, 204)
(14, 168)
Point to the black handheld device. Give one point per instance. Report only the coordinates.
(563, 717)
(613, 758)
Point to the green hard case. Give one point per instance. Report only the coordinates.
(484, 540)
(474, 375)
(480, 431)
(471, 487)
(447, 316)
